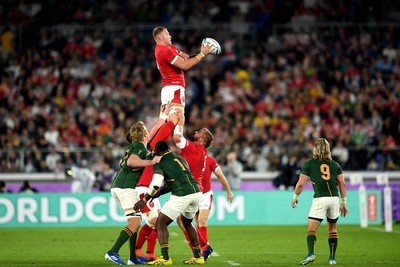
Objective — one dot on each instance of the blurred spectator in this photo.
(105, 177)
(233, 171)
(373, 165)
(376, 121)
(52, 134)
(82, 179)
(289, 174)
(390, 153)
(7, 43)
(3, 188)
(340, 153)
(268, 95)
(390, 52)
(10, 162)
(29, 166)
(52, 159)
(359, 139)
(27, 188)
(261, 163)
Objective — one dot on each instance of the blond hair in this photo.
(322, 150)
(157, 31)
(208, 137)
(137, 132)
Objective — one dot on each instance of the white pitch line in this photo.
(233, 263)
(173, 233)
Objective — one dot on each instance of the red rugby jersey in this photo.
(211, 166)
(165, 57)
(146, 177)
(195, 155)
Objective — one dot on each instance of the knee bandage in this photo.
(152, 214)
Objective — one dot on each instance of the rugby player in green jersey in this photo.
(124, 183)
(173, 171)
(328, 181)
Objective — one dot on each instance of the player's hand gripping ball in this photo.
(215, 46)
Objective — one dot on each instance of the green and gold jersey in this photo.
(177, 175)
(323, 176)
(128, 177)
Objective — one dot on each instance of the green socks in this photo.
(311, 240)
(333, 242)
(124, 235)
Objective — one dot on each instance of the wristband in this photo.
(151, 192)
(163, 116)
(343, 200)
(178, 130)
(201, 53)
(295, 196)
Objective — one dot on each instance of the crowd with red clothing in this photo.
(266, 102)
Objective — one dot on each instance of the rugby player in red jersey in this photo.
(206, 202)
(194, 151)
(171, 63)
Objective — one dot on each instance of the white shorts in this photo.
(206, 201)
(126, 199)
(154, 204)
(186, 205)
(322, 207)
(174, 94)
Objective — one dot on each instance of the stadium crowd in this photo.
(72, 97)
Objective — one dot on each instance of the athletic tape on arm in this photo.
(155, 183)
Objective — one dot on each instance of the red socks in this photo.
(202, 232)
(164, 133)
(188, 240)
(151, 242)
(144, 234)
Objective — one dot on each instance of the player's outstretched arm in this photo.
(224, 182)
(178, 138)
(189, 62)
(298, 189)
(343, 193)
(184, 55)
(135, 161)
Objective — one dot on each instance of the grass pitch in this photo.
(233, 246)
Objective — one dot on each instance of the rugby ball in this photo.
(214, 44)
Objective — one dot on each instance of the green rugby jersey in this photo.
(177, 175)
(128, 177)
(323, 176)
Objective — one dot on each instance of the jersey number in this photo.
(180, 164)
(326, 172)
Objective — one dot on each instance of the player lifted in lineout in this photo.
(171, 63)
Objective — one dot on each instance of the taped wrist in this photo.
(178, 130)
(182, 141)
(172, 111)
(163, 116)
(155, 184)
